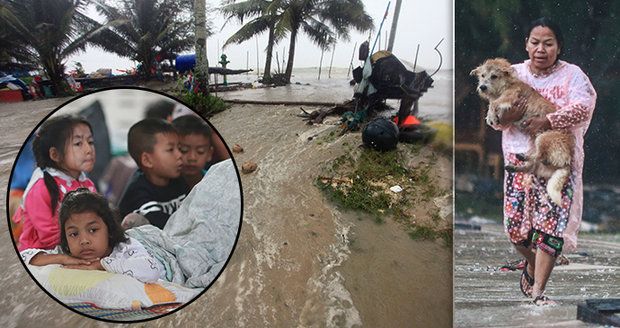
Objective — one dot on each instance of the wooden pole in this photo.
(278, 61)
(321, 62)
(257, 62)
(329, 73)
(415, 61)
(394, 25)
(351, 63)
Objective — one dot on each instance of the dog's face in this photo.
(494, 76)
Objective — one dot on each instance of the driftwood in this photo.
(280, 102)
(318, 116)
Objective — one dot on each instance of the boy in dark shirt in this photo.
(156, 190)
(196, 146)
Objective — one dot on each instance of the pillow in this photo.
(108, 290)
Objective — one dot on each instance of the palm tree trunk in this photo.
(202, 64)
(291, 55)
(54, 71)
(270, 42)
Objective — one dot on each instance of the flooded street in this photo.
(299, 261)
(486, 297)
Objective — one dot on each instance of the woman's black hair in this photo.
(55, 132)
(555, 28)
(83, 200)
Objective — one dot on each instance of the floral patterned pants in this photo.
(529, 214)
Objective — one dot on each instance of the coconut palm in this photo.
(145, 28)
(264, 16)
(323, 21)
(44, 33)
(202, 64)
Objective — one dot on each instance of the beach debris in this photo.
(237, 149)
(396, 189)
(317, 116)
(249, 167)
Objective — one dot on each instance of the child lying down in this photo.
(91, 239)
(190, 251)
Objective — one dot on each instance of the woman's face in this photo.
(542, 48)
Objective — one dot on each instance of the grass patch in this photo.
(360, 180)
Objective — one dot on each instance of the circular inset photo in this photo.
(124, 205)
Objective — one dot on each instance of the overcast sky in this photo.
(420, 22)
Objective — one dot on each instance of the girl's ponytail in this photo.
(52, 188)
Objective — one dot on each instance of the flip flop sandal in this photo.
(542, 300)
(512, 266)
(526, 283)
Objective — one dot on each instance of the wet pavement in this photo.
(486, 297)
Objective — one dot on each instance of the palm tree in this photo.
(202, 64)
(43, 33)
(265, 16)
(322, 20)
(144, 28)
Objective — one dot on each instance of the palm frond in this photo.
(248, 31)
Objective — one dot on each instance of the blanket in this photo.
(199, 237)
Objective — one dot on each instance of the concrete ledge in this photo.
(600, 311)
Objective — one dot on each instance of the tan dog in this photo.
(552, 154)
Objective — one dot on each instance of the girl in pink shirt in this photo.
(64, 151)
(540, 229)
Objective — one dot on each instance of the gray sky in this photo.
(420, 22)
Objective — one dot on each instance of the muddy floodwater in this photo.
(300, 260)
(487, 297)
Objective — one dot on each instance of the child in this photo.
(92, 239)
(156, 190)
(196, 147)
(63, 150)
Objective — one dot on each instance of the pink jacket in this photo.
(567, 87)
(41, 228)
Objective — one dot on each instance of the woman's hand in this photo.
(536, 124)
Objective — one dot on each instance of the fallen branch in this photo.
(280, 102)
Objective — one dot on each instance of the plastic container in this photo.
(185, 63)
(47, 91)
(11, 96)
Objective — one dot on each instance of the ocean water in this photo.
(124, 107)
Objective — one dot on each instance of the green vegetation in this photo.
(206, 105)
(43, 34)
(361, 179)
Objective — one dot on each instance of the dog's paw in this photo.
(521, 157)
(510, 168)
(555, 195)
(492, 119)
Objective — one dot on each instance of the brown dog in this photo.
(552, 154)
